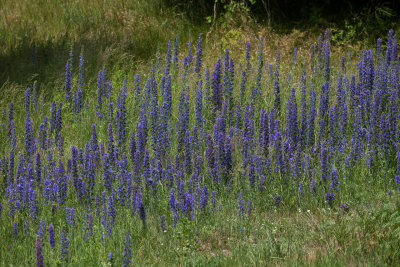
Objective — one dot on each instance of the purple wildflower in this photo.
(330, 197)
(345, 207)
(217, 86)
(163, 225)
(70, 214)
(249, 207)
(68, 78)
(334, 180)
(277, 200)
(39, 252)
(52, 239)
(140, 208)
(81, 83)
(15, 230)
(64, 246)
(199, 54)
(127, 251)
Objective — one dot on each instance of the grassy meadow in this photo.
(131, 135)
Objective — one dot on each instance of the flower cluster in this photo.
(197, 137)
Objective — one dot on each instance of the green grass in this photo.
(367, 235)
(124, 36)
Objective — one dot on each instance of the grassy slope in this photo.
(37, 36)
(124, 37)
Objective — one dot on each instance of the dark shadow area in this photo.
(357, 19)
(46, 63)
